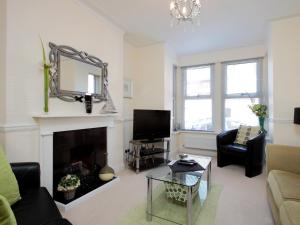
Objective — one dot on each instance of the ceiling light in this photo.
(185, 10)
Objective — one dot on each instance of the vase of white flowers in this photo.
(260, 110)
(68, 185)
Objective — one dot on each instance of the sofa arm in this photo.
(283, 157)
(27, 174)
(226, 137)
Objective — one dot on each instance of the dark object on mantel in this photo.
(88, 103)
(36, 206)
(178, 167)
(251, 155)
(78, 98)
(297, 115)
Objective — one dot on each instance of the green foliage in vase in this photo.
(46, 67)
(68, 183)
(260, 110)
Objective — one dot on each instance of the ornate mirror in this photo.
(74, 74)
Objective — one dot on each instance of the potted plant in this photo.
(68, 185)
(260, 110)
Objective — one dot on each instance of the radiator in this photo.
(207, 143)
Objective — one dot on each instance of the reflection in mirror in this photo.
(79, 76)
(94, 83)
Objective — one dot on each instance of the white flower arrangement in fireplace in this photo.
(68, 183)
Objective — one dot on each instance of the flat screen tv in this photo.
(151, 124)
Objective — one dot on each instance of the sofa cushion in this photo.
(7, 216)
(9, 187)
(245, 133)
(36, 207)
(284, 186)
(290, 213)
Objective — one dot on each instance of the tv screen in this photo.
(151, 124)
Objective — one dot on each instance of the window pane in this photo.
(242, 78)
(198, 81)
(237, 112)
(198, 114)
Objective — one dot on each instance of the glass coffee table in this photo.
(187, 183)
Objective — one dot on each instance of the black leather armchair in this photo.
(36, 206)
(251, 155)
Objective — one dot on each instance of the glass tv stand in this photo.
(145, 154)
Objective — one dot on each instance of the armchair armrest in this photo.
(256, 148)
(257, 142)
(283, 157)
(226, 137)
(27, 174)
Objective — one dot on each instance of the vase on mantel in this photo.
(46, 88)
(46, 70)
(261, 121)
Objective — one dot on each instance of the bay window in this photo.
(217, 96)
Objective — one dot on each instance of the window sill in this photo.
(194, 132)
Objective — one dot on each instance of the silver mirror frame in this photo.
(54, 83)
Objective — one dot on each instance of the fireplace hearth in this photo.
(80, 152)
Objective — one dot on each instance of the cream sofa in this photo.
(283, 183)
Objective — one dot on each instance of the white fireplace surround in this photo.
(48, 124)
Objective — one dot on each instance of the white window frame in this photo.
(185, 97)
(259, 80)
(174, 98)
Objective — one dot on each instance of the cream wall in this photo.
(170, 62)
(130, 70)
(2, 59)
(284, 76)
(130, 60)
(149, 77)
(215, 58)
(151, 70)
(91, 33)
(2, 68)
(224, 55)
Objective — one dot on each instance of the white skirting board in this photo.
(63, 208)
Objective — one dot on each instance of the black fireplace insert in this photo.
(82, 153)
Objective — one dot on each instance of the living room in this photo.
(149, 54)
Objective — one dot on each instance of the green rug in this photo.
(204, 212)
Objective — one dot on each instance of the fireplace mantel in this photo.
(49, 123)
(78, 115)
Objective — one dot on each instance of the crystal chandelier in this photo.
(185, 10)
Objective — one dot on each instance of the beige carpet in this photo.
(204, 212)
(242, 200)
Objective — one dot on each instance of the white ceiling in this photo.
(223, 23)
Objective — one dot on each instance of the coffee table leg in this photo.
(209, 177)
(149, 199)
(189, 206)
